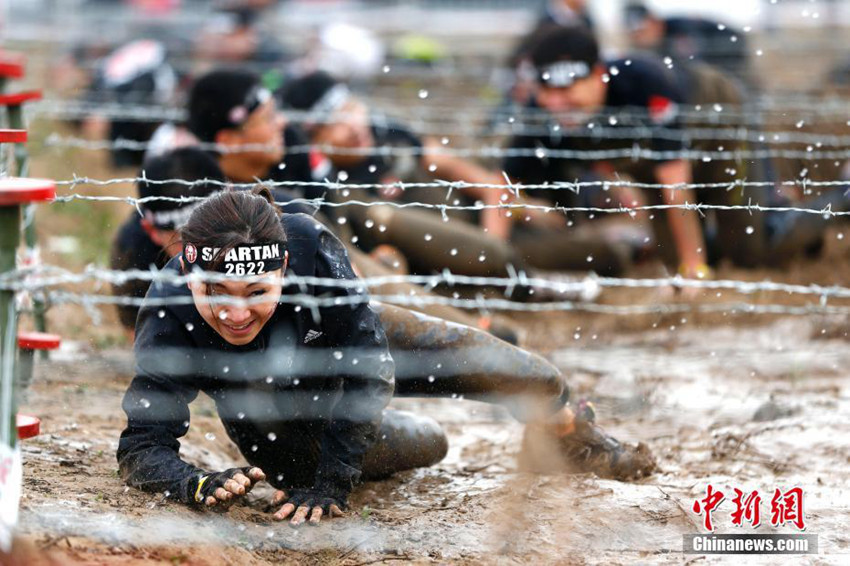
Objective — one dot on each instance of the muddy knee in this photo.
(405, 441)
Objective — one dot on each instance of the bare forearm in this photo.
(684, 225)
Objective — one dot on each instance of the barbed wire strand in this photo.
(340, 185)
(52, 275)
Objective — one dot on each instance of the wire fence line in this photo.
(50, 276)
(686, 135)
(443, 209)
(752, 112)
(340, 185)
(634, 152)
(479, 303)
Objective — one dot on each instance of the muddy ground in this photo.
(689, 389)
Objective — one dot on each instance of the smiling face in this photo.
(238, 324)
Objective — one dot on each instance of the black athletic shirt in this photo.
(642, 93)
(132, 248)
(335, 371)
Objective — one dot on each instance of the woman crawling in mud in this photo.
(301, 373)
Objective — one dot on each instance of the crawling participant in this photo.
(302, 391)
(370, 148)
(592, 103)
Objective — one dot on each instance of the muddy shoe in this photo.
(591, 449)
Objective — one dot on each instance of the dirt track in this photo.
(690, 392)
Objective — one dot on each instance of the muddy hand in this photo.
(224, 487)
(307, 505)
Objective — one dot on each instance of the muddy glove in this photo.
(313, 503)
(226, 485)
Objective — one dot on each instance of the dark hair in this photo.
(574, 43)
(304, 92)
(212, 98)
(232, 218)
(188, 164)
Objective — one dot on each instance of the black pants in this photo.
(434, 358)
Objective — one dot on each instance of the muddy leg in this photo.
(438, 358)
(441, 359)
(433, 245)
(406, 441)
(369, 267)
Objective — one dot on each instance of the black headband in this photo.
(245, 259)
(255, 98)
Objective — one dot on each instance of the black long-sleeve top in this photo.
(336, 370)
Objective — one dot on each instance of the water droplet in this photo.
(315, 397)
(540, 153)
(190, 327)
(382, 228)
(576, 336)
(144, 403)
(840, 236)
(482, 258)
(271, 436)
(718, 108)
(338, 355)
(589, 258)
(613, 70)
(185, 424)
(209, 436)
(342, 175)
(423, 94)
(254, 448)
(269, 379)
(369, 223)
(240, 415)
(445, 141)
(226, 369)
(606, 78)
(281, 166)
(759, 52)
(428, 237)
(801, 123)
(612, 120)
(431, 379)
(453, 251)
(750, 230)
(161, 313)
(341, 220)
(386, 69)
(372, 169)
(432, 168)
